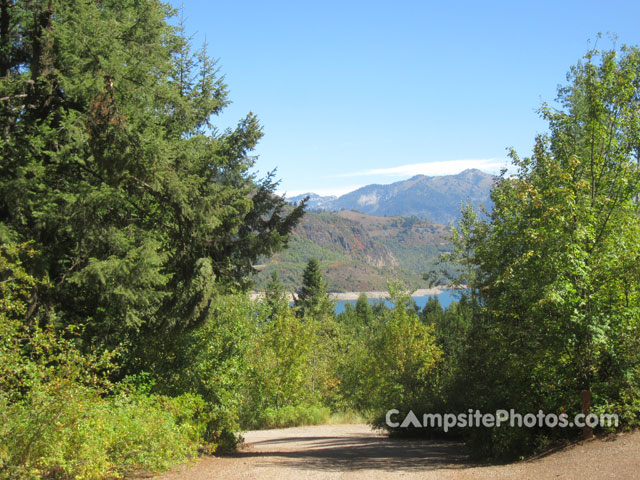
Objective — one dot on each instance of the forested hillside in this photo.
(359, 252)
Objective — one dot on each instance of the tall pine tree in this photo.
(312, 299)
(111, 164)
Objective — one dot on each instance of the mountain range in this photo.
(378, 232)
(436, 198)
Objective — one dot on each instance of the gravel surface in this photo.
(356, 452)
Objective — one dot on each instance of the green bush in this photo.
(294, 415)
(403, 360)
(68, 431)
(60, 418)
(209, 362)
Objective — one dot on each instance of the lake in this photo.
(445, 298)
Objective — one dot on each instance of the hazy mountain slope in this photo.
(343, 234)
(435, 198)
(316, 202)
(415, 242)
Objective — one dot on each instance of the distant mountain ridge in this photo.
(316, 202)
(436, 198)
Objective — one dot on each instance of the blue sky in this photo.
(351, 93)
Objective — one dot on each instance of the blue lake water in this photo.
(445, 298)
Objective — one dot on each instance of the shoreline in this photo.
(421, 292)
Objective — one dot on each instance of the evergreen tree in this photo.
(312, 298)
(275, 295)
(364, 312)
(110, 163)
(432, 312)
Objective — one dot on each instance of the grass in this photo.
(301, 415)
(348, 417)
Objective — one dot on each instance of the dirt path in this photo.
(349, 452)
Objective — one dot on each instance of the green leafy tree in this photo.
(354, 327)
(278, 373)
(110, 163)
(403, 356)
(558, 268)
(458, 266)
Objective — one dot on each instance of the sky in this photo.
(351, 93)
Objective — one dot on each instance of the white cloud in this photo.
(449, 167)
(393, 174)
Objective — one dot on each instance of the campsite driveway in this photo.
(349, 452)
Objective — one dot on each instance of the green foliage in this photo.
(145, 217)
(388, 357)
(404, 357)
(557, 264)
(32, 356)
(210, 362)
(68, 431)
(275, 295)
(356, 328)
(293, 416)
(451, 330)
(111, 165)
(59, 418)
(290, 365)
(129, 226)
(312, 299)
(277, 362)
(363, 310)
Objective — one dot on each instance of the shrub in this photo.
(294, 415)
(59, 417)
(67, 431)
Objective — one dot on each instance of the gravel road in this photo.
(349, 452)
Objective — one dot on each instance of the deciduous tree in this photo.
(558, 269)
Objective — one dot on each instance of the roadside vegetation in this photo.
(129, 229)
